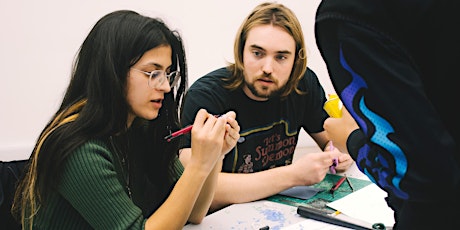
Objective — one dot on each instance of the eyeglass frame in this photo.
(161, 77)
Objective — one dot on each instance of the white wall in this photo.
(39, 40)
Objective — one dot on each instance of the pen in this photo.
(335, 161)
(349, 183)
(337, 185)
(179, 133)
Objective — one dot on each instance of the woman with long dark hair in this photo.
(102, 161)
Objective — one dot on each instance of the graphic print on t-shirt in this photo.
(247, 166)
(263, 148)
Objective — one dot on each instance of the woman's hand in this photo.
(232, 133)
(208, 135)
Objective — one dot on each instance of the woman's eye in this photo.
(155, 73)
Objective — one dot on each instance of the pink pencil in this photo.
(179, 133)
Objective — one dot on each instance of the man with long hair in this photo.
(275, 96)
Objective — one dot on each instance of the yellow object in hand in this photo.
(333, 106)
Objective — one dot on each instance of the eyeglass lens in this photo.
(157, 78)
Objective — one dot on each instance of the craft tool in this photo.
(179, 133)
(337, 185)
(333, 106)
(331, 146)
(378, 226)
(335, 161)
(349, 184)
(335, 213)
(320, 216)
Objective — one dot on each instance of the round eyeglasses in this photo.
(158, 77)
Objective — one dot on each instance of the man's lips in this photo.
(265, 80)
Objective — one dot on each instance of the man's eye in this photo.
(281, 57)
(257, 53)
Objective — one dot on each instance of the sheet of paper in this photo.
(255, 215)
(251, 215)
(367, 204)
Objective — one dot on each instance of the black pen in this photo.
(264, 228)
(349, 183)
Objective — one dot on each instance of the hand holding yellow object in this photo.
(333, 106)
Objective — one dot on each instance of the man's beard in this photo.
(265, 95)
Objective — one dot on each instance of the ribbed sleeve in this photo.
(178, 168)
(91, 194)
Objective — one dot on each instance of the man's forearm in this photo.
(246, 187)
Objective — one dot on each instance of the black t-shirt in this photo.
(269, 129)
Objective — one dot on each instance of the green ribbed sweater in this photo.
(91, 194)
